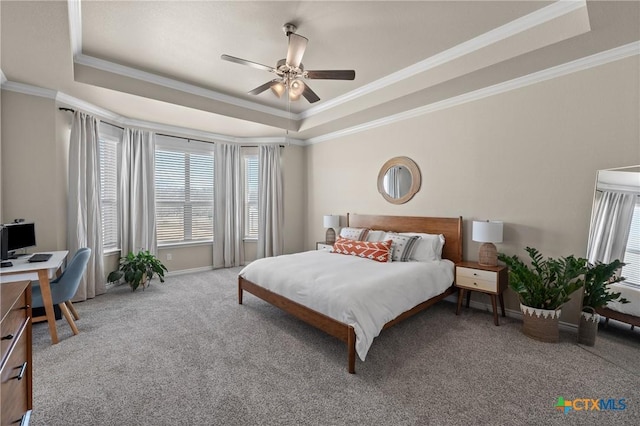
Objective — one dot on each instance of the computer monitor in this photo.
(20, 235)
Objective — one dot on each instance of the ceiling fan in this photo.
(290, 72)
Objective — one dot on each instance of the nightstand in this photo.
(321, 245)
(492, 280)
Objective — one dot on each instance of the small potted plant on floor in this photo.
(597, 279)
(543, 287)
(138, 269)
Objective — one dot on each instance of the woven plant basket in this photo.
(540, 324)
(588, 327)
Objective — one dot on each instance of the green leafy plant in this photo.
(547, 283)
(597, 279)
(138, 269)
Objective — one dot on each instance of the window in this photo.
(184, 191)
(250, 158)
(631, 270)
(109, 152)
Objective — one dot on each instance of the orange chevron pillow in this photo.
(380, 251)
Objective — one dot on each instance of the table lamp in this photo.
(487, 232)
(330, 222)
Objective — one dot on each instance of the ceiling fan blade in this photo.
(331, 74)
(247, 63)
(297, 46)
(264, 87)
(310, 95)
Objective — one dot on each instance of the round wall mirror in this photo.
(399, 180)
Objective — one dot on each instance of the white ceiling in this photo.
(160, 60)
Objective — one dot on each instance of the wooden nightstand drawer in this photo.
(477, 284)
(324, 246)
(476, 274)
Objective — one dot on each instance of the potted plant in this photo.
(138, 269)
(597, 279)
(543, 287)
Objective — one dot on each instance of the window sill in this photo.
(185, 244)
(111, 252)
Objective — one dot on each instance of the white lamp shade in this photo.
(331, 221)
(487, 231)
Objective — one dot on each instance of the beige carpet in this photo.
(185, 353)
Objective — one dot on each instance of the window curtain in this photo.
(610, 226)
(228, 230)
(137, 189)
(270, 203)
(84, 220)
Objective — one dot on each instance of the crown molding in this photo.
(171, 83)
(75, 26)
(62, 99)
(517, 26)
(27, 89)
(601, 58)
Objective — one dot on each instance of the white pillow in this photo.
(428, 248)
(375, 236)
(358, 234)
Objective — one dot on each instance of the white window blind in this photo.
(631, 270)
(251, 195)
(109, 154)
(184, 194)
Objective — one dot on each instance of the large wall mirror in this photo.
(399, 180)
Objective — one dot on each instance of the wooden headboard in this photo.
(450, 227)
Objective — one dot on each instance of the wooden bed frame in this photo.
(451, 228)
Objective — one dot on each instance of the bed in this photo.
(257, 279)
(627, 312)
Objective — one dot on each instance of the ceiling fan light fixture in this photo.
(290, 72)
(296, 88)
(278, 89)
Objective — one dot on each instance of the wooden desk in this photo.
(43, 272)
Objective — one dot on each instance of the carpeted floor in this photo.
(185, 353)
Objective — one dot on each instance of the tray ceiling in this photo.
(160, 60)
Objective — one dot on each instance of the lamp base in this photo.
(488, 255)
(330, 238)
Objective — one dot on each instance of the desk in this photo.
(43, 272)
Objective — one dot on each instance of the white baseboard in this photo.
(567, 326)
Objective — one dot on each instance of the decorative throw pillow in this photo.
(428, 247)
(358, 234)
(402, 247)
(379, 251)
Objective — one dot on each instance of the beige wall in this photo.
(527, 157)
(34, 167)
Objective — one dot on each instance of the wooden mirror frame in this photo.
(416, 179)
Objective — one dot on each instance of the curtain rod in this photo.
(162, 134)
(200, 140)
(101, 121)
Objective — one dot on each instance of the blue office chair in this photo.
(64, 287)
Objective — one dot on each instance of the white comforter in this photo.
(359, 292)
